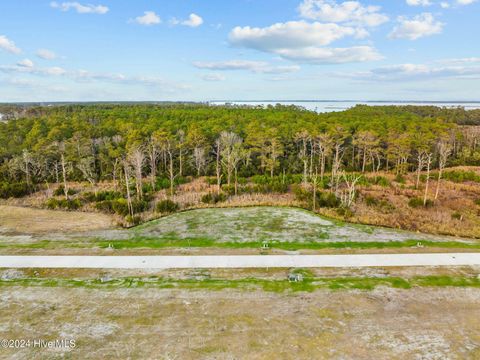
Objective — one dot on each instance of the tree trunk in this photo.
(127, 185)
(427, 181)
(64, 173)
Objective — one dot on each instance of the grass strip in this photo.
(308, 284)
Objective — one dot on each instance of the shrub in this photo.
(101, 196)
(16, 190)
(459, 176)
(60, 191)
(371, 201)
(133, 220)
(457, 216)
(323, 198)
(400, 179)
(167, 206)
(382, 181)
(418, 202)
(70, 204)
(345, 212)
(213, 198)
(328, 200)
(120, 206)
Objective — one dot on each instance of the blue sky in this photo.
(239, 49)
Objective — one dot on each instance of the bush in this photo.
(70, 204)
(213, 198)
(133, 220)
(371, 201)
(60, 191)
(167, 206)
(457, 216)
(16, 190)
(101, 196)
(120, 206)
(418, 202)
(345, 212)
(400, 179)
(459, 176)
(328, 200)
(323, 198)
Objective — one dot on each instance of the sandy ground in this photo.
(240, 261)
(19, 220)
(419, 323)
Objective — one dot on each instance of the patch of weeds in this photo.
(308, 284)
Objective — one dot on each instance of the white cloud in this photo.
(193, 21)
(416, 72)
(213, 77)
(148, 18)
(80, 8)
(26, 63)
(46, 54)
(350, 12)
(292, 34)
(27, 67)
(303, 42)
(319, 55)
(414, 28)
(84, 76)
(419, 2)
(8, 45)
(253, 66)
(465, 2)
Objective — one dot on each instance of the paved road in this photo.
(239, 261)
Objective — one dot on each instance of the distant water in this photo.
(322, 106)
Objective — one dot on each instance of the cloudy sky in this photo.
(239, 49)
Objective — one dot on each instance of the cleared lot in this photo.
(20, 220)
(385, 323)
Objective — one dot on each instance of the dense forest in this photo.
(156, 146)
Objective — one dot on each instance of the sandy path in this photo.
(240, 261)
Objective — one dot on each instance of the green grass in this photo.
(139, 242)
(309, 283)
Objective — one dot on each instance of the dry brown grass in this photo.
(455, 198)
(228, 324)
(14, 219)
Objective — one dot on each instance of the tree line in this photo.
(138, 144)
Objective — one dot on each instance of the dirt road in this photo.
(240, 261)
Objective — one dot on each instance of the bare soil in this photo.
(419, 323)
(22, 220)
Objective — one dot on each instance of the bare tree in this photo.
(302, 138)
(86, 165)
(136, 157)
(324, 148)
(366, 141)
(428, 163)
(153, 154)
(444, 150)
(218, 168)
(422, 157)
(200, 158)
(126, 172)
(347, 196)
(28, 161)
(180, 145)
(231, 144)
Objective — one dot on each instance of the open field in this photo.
(418, 323)
(21, 220)
(274, 230)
